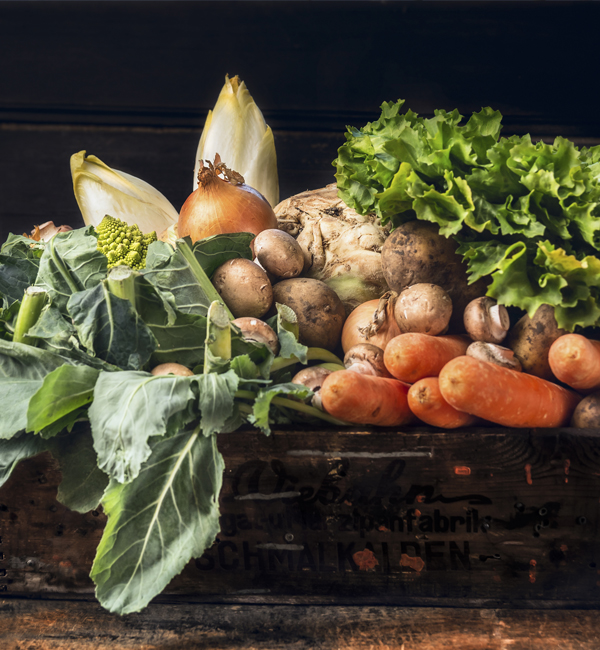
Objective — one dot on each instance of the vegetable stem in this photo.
(31, 307)
(121, 283)
(62, 269)
(203, 280)
(312, 355)
(217, 347)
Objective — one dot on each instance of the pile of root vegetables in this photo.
(420, 345)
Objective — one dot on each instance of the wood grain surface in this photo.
(408, 517)
(64, 625)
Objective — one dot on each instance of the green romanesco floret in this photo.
(122, 243)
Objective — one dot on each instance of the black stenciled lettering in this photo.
(250, 471)
(441, 524)
(278, 556)
(425, 524)
(282, 475)
(367, 523)
(206, 562)
(426, 494)
(415, 546)
(456, 520)
(462, 556)
(395, 521)
(224, 563)
(323, 565)
(345, 523)
(345, 555)
(306, 560)
(227, 523)
(434, 560)
(242, 522)
(387, 487)
(249, 555)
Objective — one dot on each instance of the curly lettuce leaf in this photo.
(519, 208)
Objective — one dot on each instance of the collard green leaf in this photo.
(179, 273)
(158, 522)
(18, 448)
(110, 328)
(55, 333)
(216, 393)
(128, 409)
(213, 251)
(179, 337)
(23, 369)
(70, 263)
(262, 405)
(63, 391)
(19, 265)
(83, 482)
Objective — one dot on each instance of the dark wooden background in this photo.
(131, 82)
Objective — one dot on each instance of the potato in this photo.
(318, 308)
(587, 412)
(279, 253)
(416, 253)
(244, 287)
(530, 339)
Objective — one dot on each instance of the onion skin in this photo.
(223, 205)
(359, 318)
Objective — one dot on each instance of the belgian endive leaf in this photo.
(158, 522)
(128, 409)
(236, 130)
(100, 190)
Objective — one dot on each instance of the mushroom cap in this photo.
(254, 329)
(486, 320)
(494, 353)
(171, 369)
(366, 359)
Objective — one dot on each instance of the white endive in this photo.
(100, 190)
(236, 130)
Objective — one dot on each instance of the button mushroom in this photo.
(312, 377)
(424, 308)
(254, 329)
(494, 353)
(367, 359)
(486, 320)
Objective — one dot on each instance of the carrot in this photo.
(575, 360)
(505, 396)
(365, 399)
(426, 401)
(413, 356)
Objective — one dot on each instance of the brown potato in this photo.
(318, 308)
(244, 287)
(279, 253)
(530, 339)
(587, 412)
(415, 253)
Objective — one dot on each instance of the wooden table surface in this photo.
(68, 625)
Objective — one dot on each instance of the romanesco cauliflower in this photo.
(122, 243)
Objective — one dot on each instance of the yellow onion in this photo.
(371, 322)
(223, 203)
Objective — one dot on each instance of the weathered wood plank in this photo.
(388, 517)
(63, 625)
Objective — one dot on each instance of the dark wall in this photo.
(131, 82)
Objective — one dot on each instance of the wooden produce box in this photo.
(479, 517)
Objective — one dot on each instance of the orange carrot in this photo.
(413, 356)
(427, 402)
(575, 360)
(505, 396)
(365, 399)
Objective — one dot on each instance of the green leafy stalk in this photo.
(186, 251)
(313, 354)
(217, 347)
(33, 302)
(121, 283)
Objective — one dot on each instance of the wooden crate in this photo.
(413, 517)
